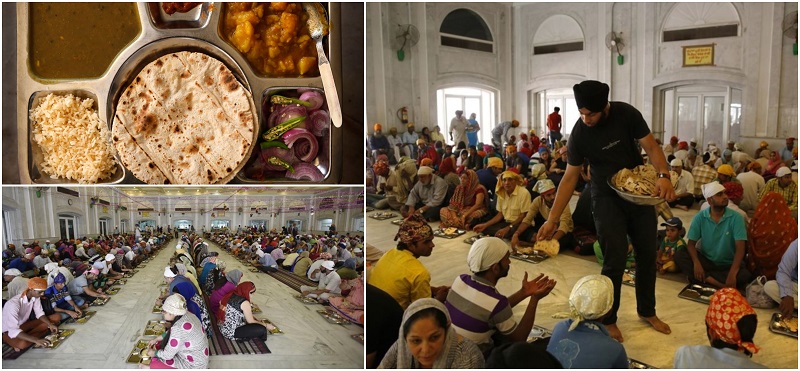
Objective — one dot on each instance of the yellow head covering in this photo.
(511, 148)
(494, 162)
(507, 174)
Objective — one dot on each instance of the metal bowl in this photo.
(636, 199)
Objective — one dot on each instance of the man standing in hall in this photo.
(554, 125)
(606, 135)
(458, 125)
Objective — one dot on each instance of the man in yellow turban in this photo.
(513, 202)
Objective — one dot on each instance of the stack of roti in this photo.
(184, 119)
(549, 247)
(639, 181)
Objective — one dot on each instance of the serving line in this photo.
(155, 41)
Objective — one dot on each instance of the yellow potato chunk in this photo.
(306, 64)
(242, 37)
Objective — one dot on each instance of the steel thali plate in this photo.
(198, 30)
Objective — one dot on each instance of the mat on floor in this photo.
(219, 345)
(291, 280)
(9, 353)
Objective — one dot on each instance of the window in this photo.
(68, 226)
(296, 223)
(558, 34)
(183, 225)
(219, 224)
(358, 224)
(103, 227)
(8, 227)
(324, 224)
(693, 21)
(465, 29)
(470, 100)
(258, 224)
(123, 226)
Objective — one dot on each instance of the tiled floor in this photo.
(105, 341)
(686, 318)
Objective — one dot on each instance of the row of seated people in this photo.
(37, 305)
(518, 209)
(471, 318)
(335, 267)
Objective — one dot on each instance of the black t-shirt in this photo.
(383, 324)
(608, 146)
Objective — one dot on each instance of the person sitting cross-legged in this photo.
(536, 217)
(722, 234)
(19, 331)
(513, 203)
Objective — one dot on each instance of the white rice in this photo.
(75, 144)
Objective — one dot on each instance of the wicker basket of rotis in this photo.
(637, 185)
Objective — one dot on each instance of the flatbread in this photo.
(184, 119)
(549, 247)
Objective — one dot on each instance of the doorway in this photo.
(470, 100)
(706, 113)
(103, 227)
(67, 226)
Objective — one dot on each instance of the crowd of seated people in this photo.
(743, 223)
(53, 283)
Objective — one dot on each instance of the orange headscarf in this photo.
(36, 283)
(726, 308)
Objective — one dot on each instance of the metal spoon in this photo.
(318, 27)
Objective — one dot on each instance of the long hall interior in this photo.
(224, 219)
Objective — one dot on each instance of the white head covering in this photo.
(710, 189)
(591, 298)
(49, 267)
(175, 304)
(12, 272)
(328, 264)
(405, 360)
(109, 257)
(783, 171)
(485, 252)
(676, 162)
(425, 170)
(168, 273)
(545, 185)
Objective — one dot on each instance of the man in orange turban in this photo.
(379, 143)
(18, 331)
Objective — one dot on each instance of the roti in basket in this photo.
(549, 247)
(184, 119)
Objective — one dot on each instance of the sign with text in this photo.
(145, 214)
(698, 55)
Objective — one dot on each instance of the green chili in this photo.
(277, 131)
(278, 162)
(280, 99)
(273, 143)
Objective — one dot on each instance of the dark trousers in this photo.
(87, 298)
(251, 331)
(615, 220)
(492, 229)
(719, 272)
(432, 214)
(687, 201)
(266, 269)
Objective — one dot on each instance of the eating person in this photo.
(184, 345)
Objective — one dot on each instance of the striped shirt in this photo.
(477, 310)
(789, 193)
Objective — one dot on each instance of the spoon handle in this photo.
(331, 95)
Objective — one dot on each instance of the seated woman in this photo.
(184, 345)
(302, 264)
(352, 305)
(232, 279)
(236, 313)
(182, 271)
(195, 304)
(216, 274)
(730, 326)
(21, 332)
(467, 204)
(582, 341)
(427, 340)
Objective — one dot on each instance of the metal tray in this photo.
(397, 221)
(135, 355)
(120, 282)
(471, 240)
(538, 333)
(58, 338)
(254, 270)
(636, 199)
(536, 257)
(442, 234)
(112, 291)
(381, 215)
(156, 308)
(698, 293)
(87, 315)
(274, 331)
(333, 317)
(198, 30)
(776, 325)
(255, 308)
(306, 299)
(155, 328)
(629, 277)
(632, 363)
(358, 337)
(99, 301)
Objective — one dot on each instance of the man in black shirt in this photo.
(606, 136)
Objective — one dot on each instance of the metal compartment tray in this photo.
(197, 30)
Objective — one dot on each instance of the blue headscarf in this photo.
(186, 289)
(59, 278)
(350, 263)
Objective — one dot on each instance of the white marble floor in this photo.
(105, 341)
(686, 318)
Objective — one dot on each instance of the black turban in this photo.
(592, 95)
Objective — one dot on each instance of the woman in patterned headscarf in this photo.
(730, 326)
(467, 204)
(447, 171)
(769, 234)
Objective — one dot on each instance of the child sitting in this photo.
(630, 260)
(671, 243)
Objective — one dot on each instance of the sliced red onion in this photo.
(304, 170)
(283, 154)
(318, 122)
(313, 97)
(303, 142)
(286, 113)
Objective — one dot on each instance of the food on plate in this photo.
(450, 230)
(79, 40)
(549, 247)
(184, 119)
(641, 180)
(790, 324)
(74, 142)
(172, 8)
(525, 250)
(296, 133)
(273, 37)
